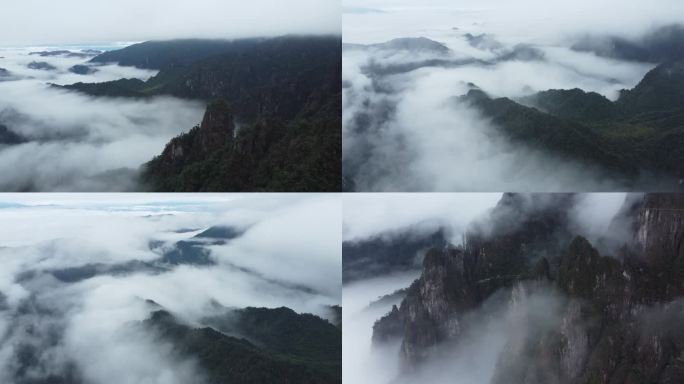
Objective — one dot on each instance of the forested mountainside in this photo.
(257, 345)
(641, 131)
(614, 316)
(273, 115)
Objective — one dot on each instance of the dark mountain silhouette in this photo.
(661, 44)
(387, 253)
(164, 54)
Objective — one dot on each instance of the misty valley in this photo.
(170, 289)
(532, 288)
(464, 99)
(248, 114)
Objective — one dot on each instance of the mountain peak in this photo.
(414, 44)
(661, 89)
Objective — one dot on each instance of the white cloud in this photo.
(74, 137)
(291, 242)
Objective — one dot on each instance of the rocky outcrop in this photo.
(216, 130)
(611, 320)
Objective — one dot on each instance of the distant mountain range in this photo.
(274, 117)
(388, 253)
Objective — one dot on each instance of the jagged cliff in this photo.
(618, 319)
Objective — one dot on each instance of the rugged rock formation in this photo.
(65, 53)
(662, 44)
(615, 319)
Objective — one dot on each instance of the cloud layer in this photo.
(70, 139)
(288, 256)
(404, 128)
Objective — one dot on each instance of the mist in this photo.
(73, 142)
(81, 22)
(406, 126)
(90, 327)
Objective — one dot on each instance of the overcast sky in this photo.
(368, 21)
(46, 22)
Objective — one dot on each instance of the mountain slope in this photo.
(388, 253)
(164, 54)
(227, 359)
(641, 132)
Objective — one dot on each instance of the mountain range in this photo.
(642, 131)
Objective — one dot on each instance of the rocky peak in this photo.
(217, 128)
(661, 89)
(600, 330)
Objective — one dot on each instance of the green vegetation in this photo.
(269, 346)
(642, 131)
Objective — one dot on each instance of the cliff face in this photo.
(216, 131)
(613, 319)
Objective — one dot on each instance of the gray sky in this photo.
(42, 22)
(533, 20)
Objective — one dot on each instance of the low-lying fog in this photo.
(402, 128)
(288, 255)
(74, 142)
